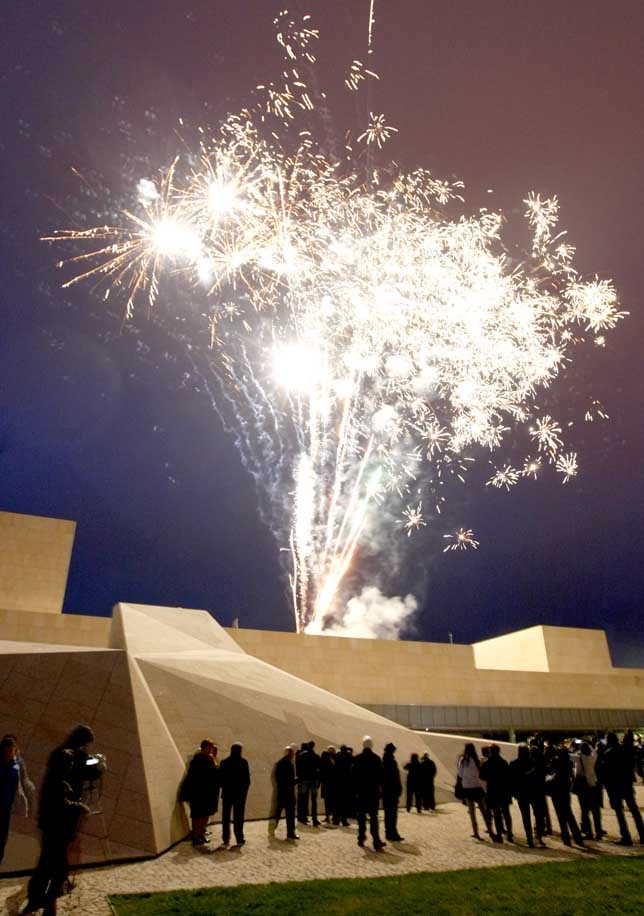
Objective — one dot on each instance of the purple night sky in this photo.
(115, 431)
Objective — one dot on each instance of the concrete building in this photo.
(540, 679)
(153, 681)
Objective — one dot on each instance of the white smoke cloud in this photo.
(372, 615)
(147, 191)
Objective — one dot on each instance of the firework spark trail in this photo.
(387, 341)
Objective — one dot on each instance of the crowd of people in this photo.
(545, 772)
(338, 786)
(349, 786)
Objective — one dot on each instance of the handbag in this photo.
(458, 789)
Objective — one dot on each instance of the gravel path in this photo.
(433, 842)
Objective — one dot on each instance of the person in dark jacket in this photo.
(284, 781)
(328, 785)
(614, 769)
(525, 784)
(540, 755)
(559, 781)
(234, 778)
(495, 774)
(343, 767)
(59, 816)
(307, 770)
(391, 792)
(200, 788)
(427, 777)
(413, 784)
(366, 775)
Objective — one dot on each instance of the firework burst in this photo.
(367, 339)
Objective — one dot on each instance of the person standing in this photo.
(307, 770)
(343, 766)
(469, 768)
(59, 816)
(14, 783)
(302, 800)
(427, 777)
(525, 785)
(616, 774)
(560, 770)
(494, 773)
(540, 754)
(366, 775)
(328, 785)
(413, 784)
(285, 780)
(200, 788)
(234, 778)
(391, 792)
(586, 785)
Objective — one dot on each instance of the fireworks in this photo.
(413, 518)
(365, 339)
(463, 539)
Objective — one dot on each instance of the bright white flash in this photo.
(174, 239)
(223, 198)
(297, 368)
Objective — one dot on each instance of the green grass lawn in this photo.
(611, 885)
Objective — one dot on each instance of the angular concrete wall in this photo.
(34, 562)
(55, 629)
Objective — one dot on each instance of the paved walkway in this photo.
(433, 842)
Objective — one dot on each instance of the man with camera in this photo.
(59, 815)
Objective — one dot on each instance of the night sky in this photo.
(110, 425)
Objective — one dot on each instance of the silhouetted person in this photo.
(540, 756)
(525, 784)
(413, 784)
(366, 775)
(495, 775)
(234, 776)
(427, 777)
(328, 785)
(307, 770)
(285, 779)
(616, 774)
(391, 792)
(343, 765)
(59, 814)
(200, 788)
(560, 771)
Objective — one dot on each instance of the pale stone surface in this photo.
(524, 650)
(55, 629)
(433, 843)
(540, 667)
(34, 561)
(567, 650)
